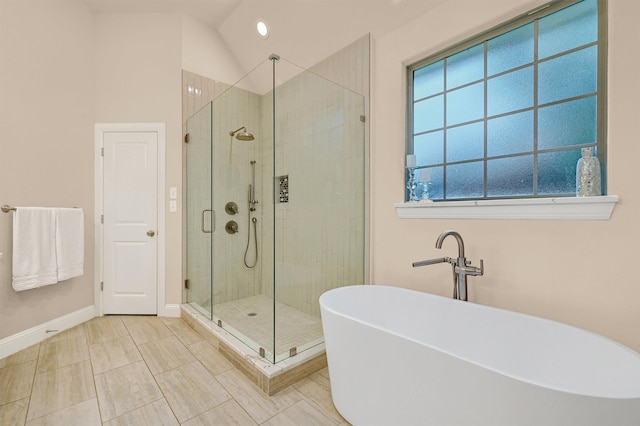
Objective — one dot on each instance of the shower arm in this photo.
(233, 133)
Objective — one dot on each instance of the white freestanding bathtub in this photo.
(403, 357)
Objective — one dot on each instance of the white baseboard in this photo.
(170, 310)
(24, 339)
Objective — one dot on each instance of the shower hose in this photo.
(255, 242)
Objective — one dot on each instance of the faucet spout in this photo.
(458, 238)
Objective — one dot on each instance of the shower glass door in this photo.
(199, 220)
(238, 258)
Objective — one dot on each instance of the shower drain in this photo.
(251, 314)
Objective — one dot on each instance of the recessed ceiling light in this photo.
(262, 29)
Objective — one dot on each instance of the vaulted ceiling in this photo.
(302, 31)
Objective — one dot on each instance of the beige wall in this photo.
(65, 68)
(578, 272)
(138, 79)
(205, 53)
(46, 141)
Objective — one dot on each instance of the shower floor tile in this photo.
(253, 317)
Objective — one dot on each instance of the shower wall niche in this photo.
(308, 225)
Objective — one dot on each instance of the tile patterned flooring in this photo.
(253, 318)
(130, 370)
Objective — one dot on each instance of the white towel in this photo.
(69, 243)
(34, 248)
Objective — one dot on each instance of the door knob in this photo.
(151, 233)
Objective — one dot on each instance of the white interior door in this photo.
(130, 206)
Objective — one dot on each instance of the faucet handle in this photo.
(471, 270)
(431, 261)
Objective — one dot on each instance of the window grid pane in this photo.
(515, 129)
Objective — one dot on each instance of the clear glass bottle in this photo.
(588, 174)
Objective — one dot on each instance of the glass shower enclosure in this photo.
(274, 205)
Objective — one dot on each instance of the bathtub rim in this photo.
(627, 395)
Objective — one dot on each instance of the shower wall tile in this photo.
(197, 92)
(348, 67)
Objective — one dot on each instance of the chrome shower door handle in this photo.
(213, 221)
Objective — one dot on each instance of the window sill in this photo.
(561, 208)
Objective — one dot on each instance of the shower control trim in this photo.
(231, 208)
(231, 227)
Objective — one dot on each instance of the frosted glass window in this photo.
(510, 92)
(512, 176)
(557, 172)
(465, 67)
(428, 81)
(429, 148)
(568, 76)
(568, 28)
(429, 114)
(466, 104)
(465, 180)
(510, 134)
(566, 124)
(506, 113)
(436, 182)
(510, 50)
(465, 142)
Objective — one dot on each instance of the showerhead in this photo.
(245, 136)
(242, 135)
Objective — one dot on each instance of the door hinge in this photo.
(186, 138)
(186, 284)
(101, 218)
(101, 285)
(102, 151)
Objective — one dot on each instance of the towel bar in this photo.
(6, 208)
